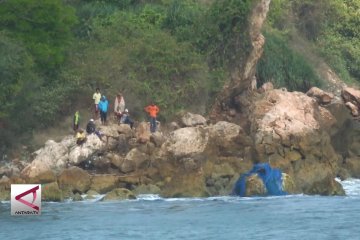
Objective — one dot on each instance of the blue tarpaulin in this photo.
(271, 177)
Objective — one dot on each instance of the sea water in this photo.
(152, 217)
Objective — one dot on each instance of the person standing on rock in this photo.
(119, 106)
(103, 107)
(76, 121)
(152, 110)
(96, 98)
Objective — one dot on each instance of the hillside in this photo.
(176, 53)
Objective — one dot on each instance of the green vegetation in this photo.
(332, 26)
(284, 67)
(54, 53)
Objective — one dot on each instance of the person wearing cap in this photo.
(152, 110)
(125, 118)
(96, 98)
(91, 128)
(103, 107)
(119, 106)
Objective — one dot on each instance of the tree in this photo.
(44, 27)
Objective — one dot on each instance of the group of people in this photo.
(122, 115)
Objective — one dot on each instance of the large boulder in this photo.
(83, 152)
(147, 189)
(43, 176)
(53, 156)
(140, 159)
(192, 120)
(225, 131)
(186, 141)
(327, 187)
(104, 183)
(143, 132)
(291, 131)
(75, 179)
(254, 186)
(351, 95)
(320, 95)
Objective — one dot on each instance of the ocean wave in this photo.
(351, 186)
(155, 197)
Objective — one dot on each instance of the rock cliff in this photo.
(311, 137)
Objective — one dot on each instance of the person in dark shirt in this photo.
(91, 128)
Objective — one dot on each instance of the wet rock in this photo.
(75, 179)
(51, 192)
(77, 197)
(254, 186)
(327, 187)
(147, 189)
(343, 174)
(91, 194)
(5, 195)
(119, 194)
(288, 184)
(353, 166)
(104, 183)
(185, 185)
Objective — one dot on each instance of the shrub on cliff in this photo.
(285, 67)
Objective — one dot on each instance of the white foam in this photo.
(351, 186)
(148, 197)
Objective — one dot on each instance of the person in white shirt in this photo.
(119, 106)
(96, 98)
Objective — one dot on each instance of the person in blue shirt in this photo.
(103, 107)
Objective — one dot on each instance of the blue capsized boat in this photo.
(271, 177)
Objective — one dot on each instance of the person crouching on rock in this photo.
(91, 128)
(80, 137)
(125, 118)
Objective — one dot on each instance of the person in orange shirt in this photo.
(152, 110)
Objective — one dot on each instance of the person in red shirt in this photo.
(152, 110)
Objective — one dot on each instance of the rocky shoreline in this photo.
(310, 140)
(311, 137)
